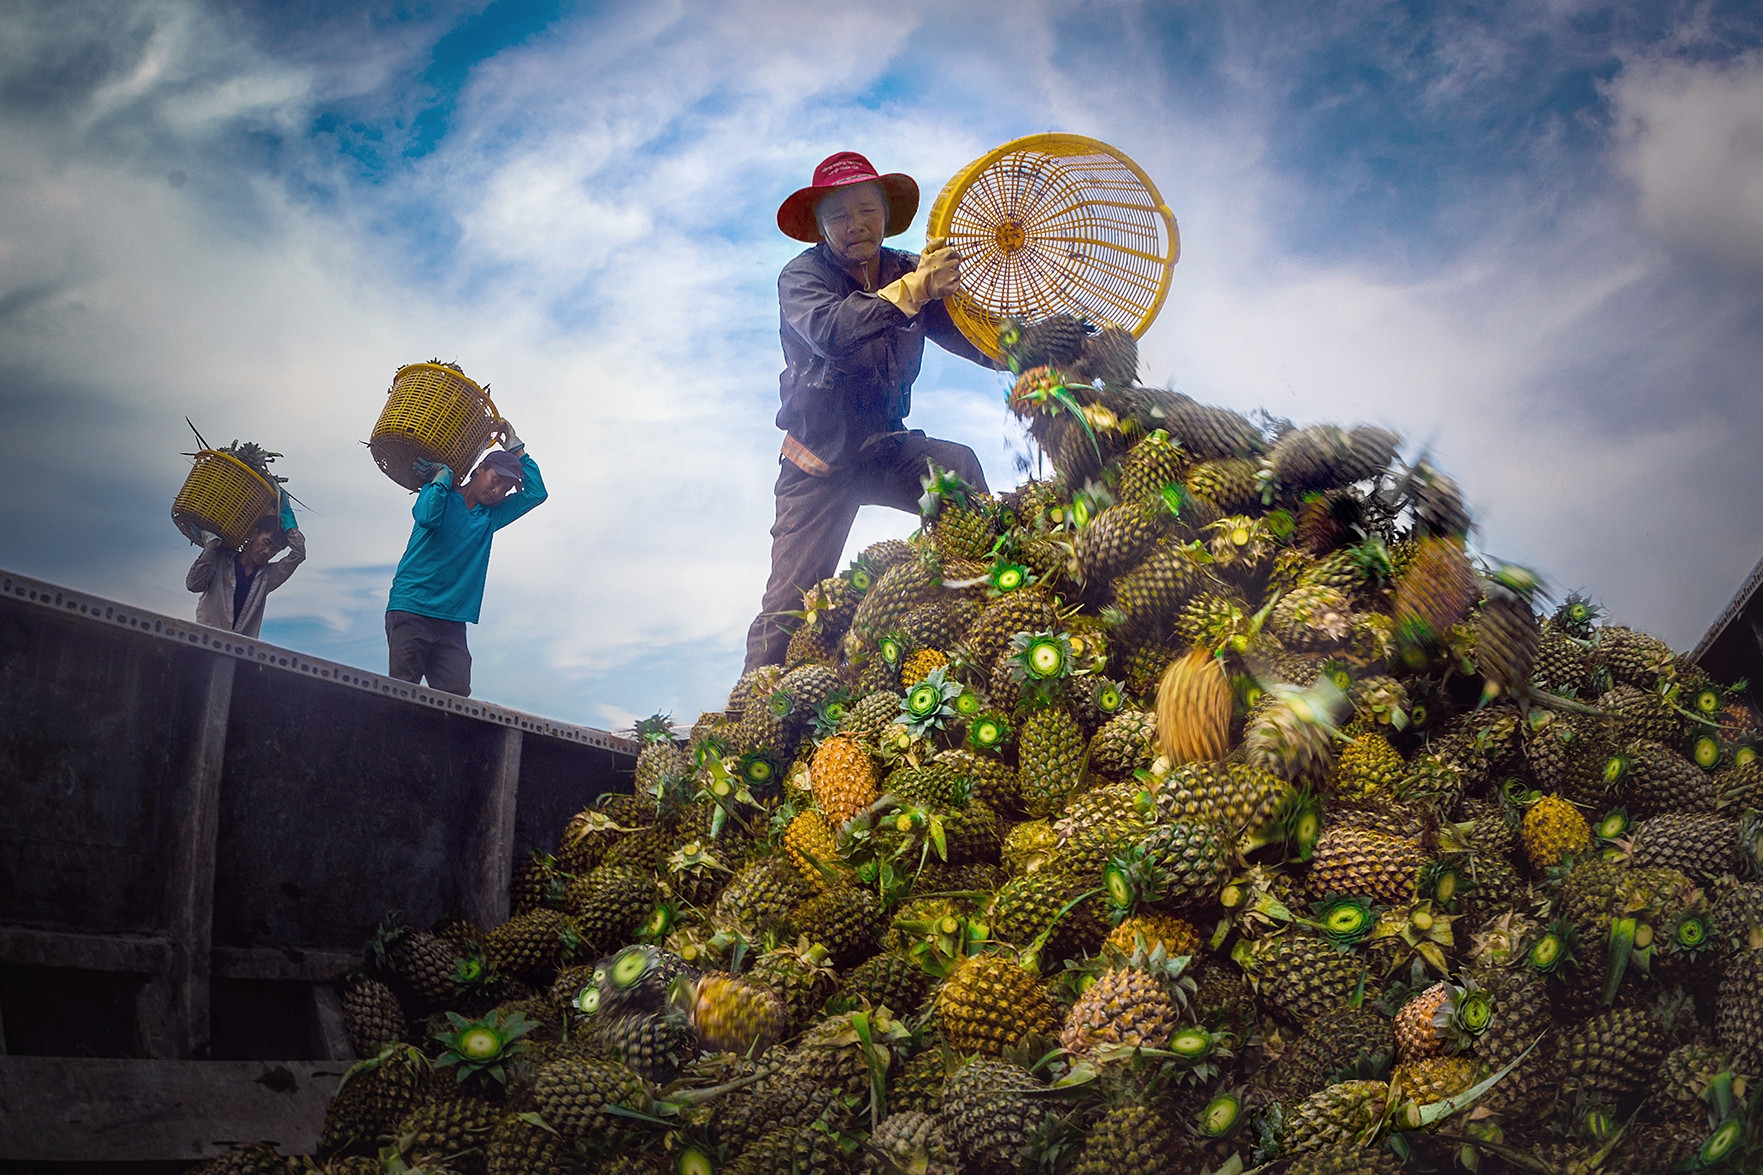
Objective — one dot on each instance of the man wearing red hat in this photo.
(855, 317)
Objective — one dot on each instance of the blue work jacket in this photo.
(444, 566)
(850, 357)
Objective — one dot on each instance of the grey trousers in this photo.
(421, 646)
(814, 516)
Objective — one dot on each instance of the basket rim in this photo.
(273, 487)
(1056, 144)
(476, 388)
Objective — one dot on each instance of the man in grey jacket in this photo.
(235, 584)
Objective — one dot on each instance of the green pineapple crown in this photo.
(943, 489)
(1343, 919)
(1468, 1011)
(988, 731)
(1040, 659)
(1005, 577)
(656, 728)
(1576, 615)
(830, 713)
(929, 706)
(1555, 950)
(486, 1046)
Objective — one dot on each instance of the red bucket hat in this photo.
(795, 216)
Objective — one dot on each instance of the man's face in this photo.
(853, 220)
(261, 547)
(490, 487)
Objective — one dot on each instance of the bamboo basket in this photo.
(224, 496)
(1052, 224)
(432, 413)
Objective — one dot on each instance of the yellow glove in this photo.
(938, 275)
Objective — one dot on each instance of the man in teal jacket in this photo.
(439, 586)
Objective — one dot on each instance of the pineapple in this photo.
(1633, 658)
(533, 945)
(889, 980)
(991, 1113)
(1659, 780)
(844, 777)
(1122, 746)
(1553, 829)
(519, 1146)
(1229, 484)
(865, 720)
(736, 1016)
(1433, 1079)
(1639, 714)
(573, 1094)
(1193, 709)
(1311, 616)
(899, 589)
(845, 919)
(1299, 976)
(1613, 1054)
(911, 1141)
(1125, 1006)
(455, 1129)
(1148, 466)
(1050, 748)
(1699, 845)
(1175, 936)
(1118, 537)
(371, 1015)
(1346, 1113)
(1738, 1022)
(991, 1004)
(1369, 765)
(1023, 610)
(1340, 1040)
(1126, 1138)
(800, 975)
(813, 849)
(1367, 864)
(1436, 591)
(609, 904)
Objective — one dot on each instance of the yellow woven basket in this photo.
(223, 496)
(1055, 223)
(432, 413)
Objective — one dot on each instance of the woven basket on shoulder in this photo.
(223, 496)
(432, 413)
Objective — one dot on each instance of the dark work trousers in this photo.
(421, 646)
(814, 516)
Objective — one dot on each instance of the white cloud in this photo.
(604, 257)
(1690, 137)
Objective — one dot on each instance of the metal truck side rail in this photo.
(202, 831)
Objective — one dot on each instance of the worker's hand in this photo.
(296, 541)
(940, 269)
(510, 441)
(427, 470)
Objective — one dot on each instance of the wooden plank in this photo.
(283, 964)
(492, 857)
(21, 946)
(173, 1010)
(69, 1109)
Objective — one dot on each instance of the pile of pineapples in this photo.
(1203, 805)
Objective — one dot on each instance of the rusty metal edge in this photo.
(67, 602)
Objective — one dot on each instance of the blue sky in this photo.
(1529, 237)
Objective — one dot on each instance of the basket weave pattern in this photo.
(224, 496)
(1055, 223)
(432, 413)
